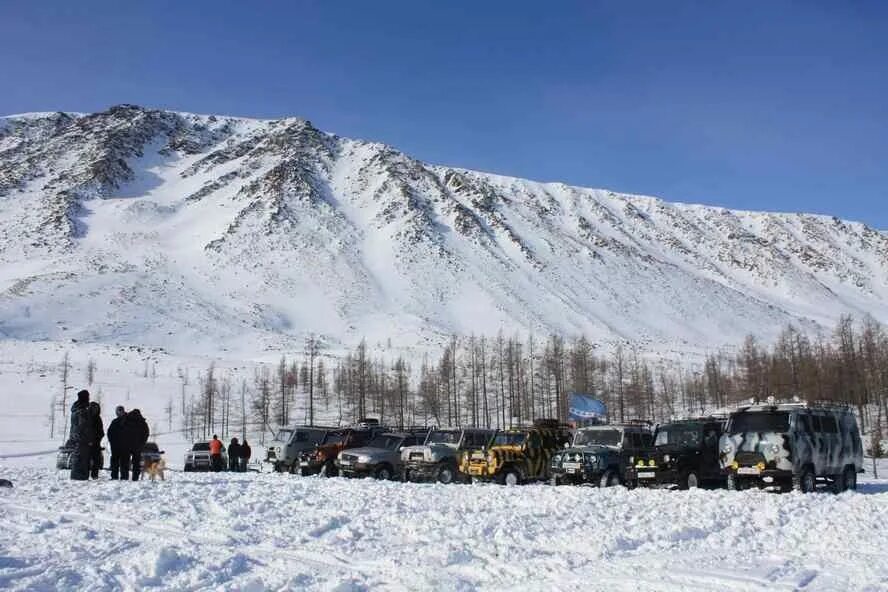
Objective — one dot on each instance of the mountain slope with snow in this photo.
(209, 233)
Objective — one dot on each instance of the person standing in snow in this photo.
(245, 453)
(82, 437)
(234, 451)
(119, 459)
(95, 456)
(135, 435)
(216, 453)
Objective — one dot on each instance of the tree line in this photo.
(503, 381)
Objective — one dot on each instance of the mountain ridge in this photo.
(297, 230)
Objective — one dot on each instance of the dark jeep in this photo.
(600, 454)
(792, 446)
(685, 454)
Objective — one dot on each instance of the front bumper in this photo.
(581, 473)
(422, 471)
(354, 469)
(647, 476)
(763, 477)
(479, 470)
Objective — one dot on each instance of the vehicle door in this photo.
(710, 467)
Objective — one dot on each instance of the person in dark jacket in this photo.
(81, 440)
(135, 435)
(95, 453)
(233, 455)
(245, 453)
(119, 458)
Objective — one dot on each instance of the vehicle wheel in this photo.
(405, 476)
(293, 469)
(850, 479)
(689, 481)
(838, 483)
(383, 473)
(446, 474)
(630, 484)
(733, 483)
(553, 481)
(805, 481)
(610, 478)
(329, 470)
(510, 477)
(188, 468)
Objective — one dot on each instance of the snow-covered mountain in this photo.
(212, 233)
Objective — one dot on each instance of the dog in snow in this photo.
(154, 469)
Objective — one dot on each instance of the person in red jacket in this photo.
(216, 453)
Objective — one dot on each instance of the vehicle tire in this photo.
(850, 479)
(805, 482)
(510, 477)
(553, 481)
(689, 480)
(383, 473)
(838, 483)
(293, 469)
(630, 484)
(733, 484)
(610, 478)
(188, 468)
(446, 474)
(329, 470)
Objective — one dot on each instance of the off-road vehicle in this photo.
(198, 458)
(685, 454)
(380, 458)
(600, 454)
(284, 451)
(63, 458)
(321, 460)
(517, 455)
(438, 458)
(792, 446)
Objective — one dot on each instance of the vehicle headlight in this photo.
(652, 463)
(775, 448)
(592, 459)
(728, 448)
(363, 458)
(666, 458)
(556, 458)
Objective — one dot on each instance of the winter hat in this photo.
(136, 413)
(119, 410)
(83, 396)
(95, 408)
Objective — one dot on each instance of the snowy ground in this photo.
(268, 531)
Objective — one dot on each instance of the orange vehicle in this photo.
(320, 461)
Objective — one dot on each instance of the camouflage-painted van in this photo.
(792, 446)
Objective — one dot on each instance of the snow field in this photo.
(277, 532)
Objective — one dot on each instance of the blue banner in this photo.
(583, 408)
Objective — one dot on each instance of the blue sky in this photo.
(756, 105)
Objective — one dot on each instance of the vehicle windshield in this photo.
(443, 437)
(150, 447)
(386, 442)
(759, 421)
(201, 446)
(678, 436)
(509, 439)
(283, 435)
(602, 437)
(334, 437)
(309, 435)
